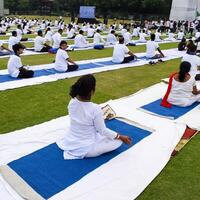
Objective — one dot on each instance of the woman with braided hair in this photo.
(87, 135)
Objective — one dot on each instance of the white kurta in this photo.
(87, 135)
(181, 93)
(80, 41)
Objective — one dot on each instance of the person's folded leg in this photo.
(102, 146)
(128, 59)
(72, 68)
(24, 73)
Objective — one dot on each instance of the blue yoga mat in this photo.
(48, 173)
(173, 112)
(46, 72)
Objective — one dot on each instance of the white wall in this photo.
(184, 10)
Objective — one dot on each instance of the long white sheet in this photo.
(142, 163)
(170, 54)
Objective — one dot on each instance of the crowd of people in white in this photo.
(99, 139)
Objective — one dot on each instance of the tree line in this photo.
(104, 8)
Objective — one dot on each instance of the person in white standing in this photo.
(87, 135)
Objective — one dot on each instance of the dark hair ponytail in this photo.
(184, 69)
(83, 87)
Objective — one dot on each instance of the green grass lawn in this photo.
(33, 105)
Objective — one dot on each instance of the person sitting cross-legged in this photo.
(62, 59)
(15, 67)
(120, 51)
(4, 50)
(152, 47)
(87, 135)
(40, 44)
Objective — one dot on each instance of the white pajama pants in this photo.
(103, 145)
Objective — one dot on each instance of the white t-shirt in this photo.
(180, 35)
(80, 41)
(14, 63)
(61, 63)
(86, 127)
(12, 41)
(151, 48)
(1, 44)
(181, 93)
(70, 33)
(98, 39)
(194, 61)
(19, 33)
(111, 38)
(142, 37)
(48, 36)
(157, 36)
(119, 52)
(127, 37)
(90, 32)
(56, 40)
(39, 43)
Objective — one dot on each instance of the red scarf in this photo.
(164, 102)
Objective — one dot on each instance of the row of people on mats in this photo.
(64, 64)
(50, 43)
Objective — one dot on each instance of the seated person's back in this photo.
(184, 91)
(120, 51)
(193, 59)
(152, 47)
(79, 40)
